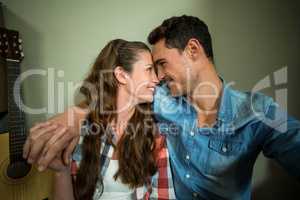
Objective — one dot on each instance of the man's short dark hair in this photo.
(177, 31)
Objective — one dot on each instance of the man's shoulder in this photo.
(249, 105)
(169, 108)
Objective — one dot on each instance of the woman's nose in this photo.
(155, 79)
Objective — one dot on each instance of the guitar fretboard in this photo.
(16, 128)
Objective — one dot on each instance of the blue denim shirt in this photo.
(217, 162)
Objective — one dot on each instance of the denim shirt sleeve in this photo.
(282, 139)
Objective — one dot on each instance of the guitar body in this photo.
(34, 186)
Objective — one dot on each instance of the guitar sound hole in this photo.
(18, 170)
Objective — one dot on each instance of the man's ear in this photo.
(121, 75)
(194, 49)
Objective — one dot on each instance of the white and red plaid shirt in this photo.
(160, 186)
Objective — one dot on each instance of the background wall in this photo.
(252, 40)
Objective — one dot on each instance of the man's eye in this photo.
(162, 64)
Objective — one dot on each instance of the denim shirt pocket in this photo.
(223, 155)
(224, 147)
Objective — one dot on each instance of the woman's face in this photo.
(143, 78)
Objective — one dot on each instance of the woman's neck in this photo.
(125, 110)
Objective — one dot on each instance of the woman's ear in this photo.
(121, 75)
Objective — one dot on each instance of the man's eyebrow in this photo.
(158, 61)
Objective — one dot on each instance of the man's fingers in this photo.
(57, 147)
(33, 134)
(37, 141)
(69, 150)
(36, 149)
(55, 137)
(26, 149)
(39, 125)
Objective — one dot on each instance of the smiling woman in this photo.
(128, 81)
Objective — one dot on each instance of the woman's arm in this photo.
(63, 188)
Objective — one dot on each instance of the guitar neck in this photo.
(11, 51)
(16, 122)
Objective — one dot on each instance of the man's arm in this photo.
(281, 139)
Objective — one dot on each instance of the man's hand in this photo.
(54, 139)
(46, 142)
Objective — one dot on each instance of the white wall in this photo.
(67, 35)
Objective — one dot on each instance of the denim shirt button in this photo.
(224, 149)
(187, 176)
(187, 157)
(192, 133)
(195, 194)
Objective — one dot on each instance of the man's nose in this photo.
(160, 75)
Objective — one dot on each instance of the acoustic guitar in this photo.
(18, 180)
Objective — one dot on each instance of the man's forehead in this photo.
(160, 45)
(158, 50)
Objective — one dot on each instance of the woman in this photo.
(120, 153)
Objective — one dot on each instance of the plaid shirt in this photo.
(160, 187)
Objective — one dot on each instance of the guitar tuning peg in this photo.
(14, 44)
(22, 54)
(20, 47)
(16, 52)
(4, 35)
(6, 51)
(6, 43)
(20, 40)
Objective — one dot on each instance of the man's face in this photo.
(173, 66)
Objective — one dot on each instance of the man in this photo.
(214, 133)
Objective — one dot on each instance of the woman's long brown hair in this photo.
(135, 147)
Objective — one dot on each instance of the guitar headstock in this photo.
(11, 45)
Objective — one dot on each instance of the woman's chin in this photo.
(146, 100)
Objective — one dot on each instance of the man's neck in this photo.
(206, 96)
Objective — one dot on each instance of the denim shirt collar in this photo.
(225, 113)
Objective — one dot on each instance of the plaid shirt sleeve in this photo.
(162, 183)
